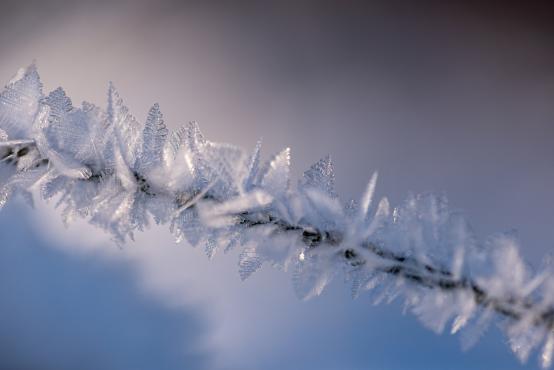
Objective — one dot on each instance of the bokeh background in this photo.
(442, 96)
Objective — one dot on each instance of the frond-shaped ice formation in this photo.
(121, 175)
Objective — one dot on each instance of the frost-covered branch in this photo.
(105, 166)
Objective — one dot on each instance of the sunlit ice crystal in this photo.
(105, 165)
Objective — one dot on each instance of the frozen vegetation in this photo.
(121, 175)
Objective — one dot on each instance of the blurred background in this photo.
(444, 96)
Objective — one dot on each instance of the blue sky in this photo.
(444, 99)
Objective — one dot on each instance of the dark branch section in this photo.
(13, 153)
(143, 184)
(413, 271)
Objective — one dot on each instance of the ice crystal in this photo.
(104, 165)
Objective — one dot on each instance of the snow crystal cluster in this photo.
(121, 175)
